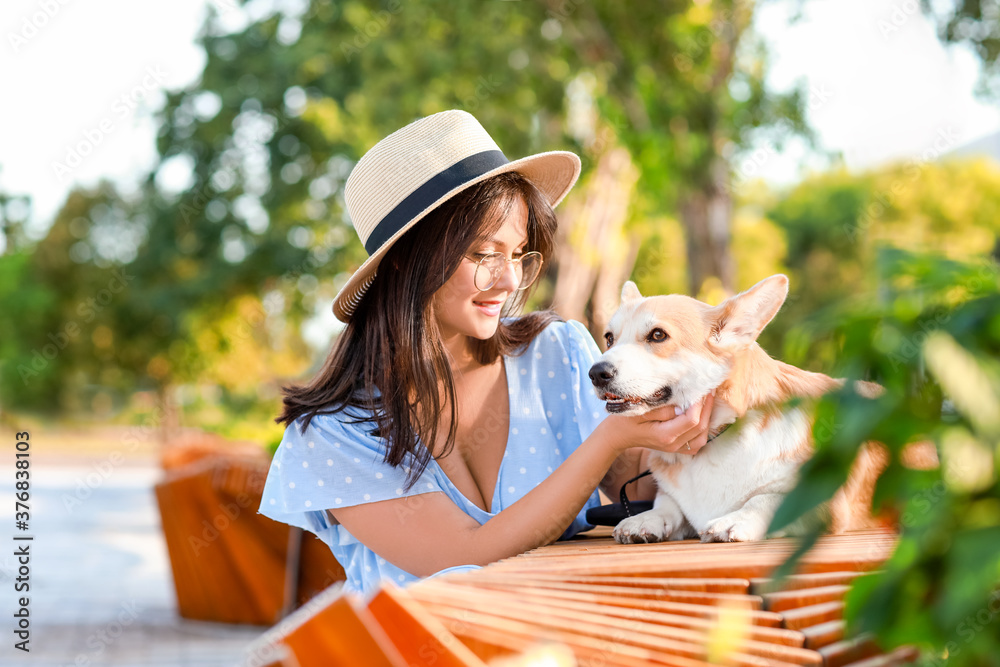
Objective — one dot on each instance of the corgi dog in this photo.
(674, 350)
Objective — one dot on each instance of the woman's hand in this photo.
(663, 429)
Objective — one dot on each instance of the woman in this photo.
(439, 435)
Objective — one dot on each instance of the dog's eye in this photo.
(658, 335)
(609, 338)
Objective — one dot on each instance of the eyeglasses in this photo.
(491, 266)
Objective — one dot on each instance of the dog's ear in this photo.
(740, 319)
(630, 292)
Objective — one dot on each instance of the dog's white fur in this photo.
(731, 489)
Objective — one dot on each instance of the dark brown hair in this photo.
(392, 343)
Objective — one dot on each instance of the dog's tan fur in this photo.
(715, 348)
(758, 380)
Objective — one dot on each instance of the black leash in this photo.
(623, 497)
(612, 515)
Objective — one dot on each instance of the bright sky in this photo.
(883, 87)
(89, 75)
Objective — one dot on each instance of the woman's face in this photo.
(463, 311)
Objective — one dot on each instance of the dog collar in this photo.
(623, 496)
(724, 429)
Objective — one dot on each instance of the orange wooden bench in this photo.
(592, 601)
(231, 564)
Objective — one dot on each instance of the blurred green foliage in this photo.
(974, 24)
(66, 301)
(246, 201)
(28, 308)
(835, 223)
(931, 336)
(198, 288)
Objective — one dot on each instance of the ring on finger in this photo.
(687, 446)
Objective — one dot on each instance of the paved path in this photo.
(101, 587)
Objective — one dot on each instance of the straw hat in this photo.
(417, 168)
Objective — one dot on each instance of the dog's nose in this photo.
(602, 373)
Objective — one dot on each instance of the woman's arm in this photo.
(633, 461)
(426, 533)
(630, 463)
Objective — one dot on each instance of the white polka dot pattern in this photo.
(344, 466)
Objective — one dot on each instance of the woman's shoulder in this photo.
(343, 429)
(560, 350)
(565, 334)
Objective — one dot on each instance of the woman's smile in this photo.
(489, 308)
(465, 312)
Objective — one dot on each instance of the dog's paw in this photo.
(643, 528)
(731, 528)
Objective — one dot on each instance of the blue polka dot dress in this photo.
(336, 463)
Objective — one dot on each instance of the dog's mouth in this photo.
(615, 403)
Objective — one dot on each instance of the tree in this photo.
(268, 156)
(14, 211)
(686, 93)
(835, 224)
(62, 345)
(975, 24)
